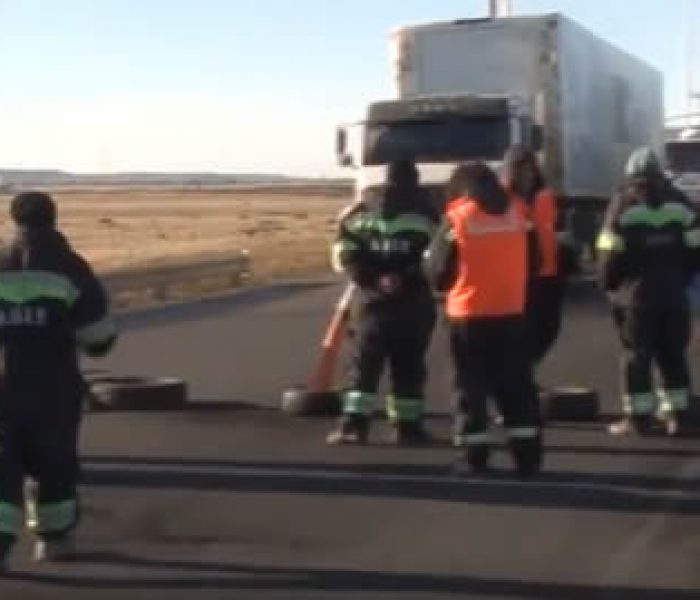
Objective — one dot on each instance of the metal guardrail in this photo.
(162, 283)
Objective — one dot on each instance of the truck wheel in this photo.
(137, 393)
(570, 404)
(298, 402)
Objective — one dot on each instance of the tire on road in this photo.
(137, 393)
(570, 404)
(298, 402)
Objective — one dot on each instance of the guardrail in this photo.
(175, 281)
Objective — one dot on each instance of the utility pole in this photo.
(500, 8)
(692, 95)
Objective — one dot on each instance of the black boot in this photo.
(55, 548)
(475, 460)
(351, 430)
(409, 433)
(679, 423)
(527, 454)
(633, 425)
(6, 543)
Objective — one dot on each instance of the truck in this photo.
(683, 157)
(468, 89)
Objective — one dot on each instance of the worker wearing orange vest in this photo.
(479, 258)
(545, 285)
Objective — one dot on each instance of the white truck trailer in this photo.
(467, 89)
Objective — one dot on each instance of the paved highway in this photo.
(229, 500)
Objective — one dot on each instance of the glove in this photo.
(389, 284)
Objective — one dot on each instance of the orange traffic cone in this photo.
(319, 397)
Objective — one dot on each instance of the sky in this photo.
(238, 85)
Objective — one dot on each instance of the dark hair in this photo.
(33, 210)
(477, 180)
(402, 174)
(515, 159)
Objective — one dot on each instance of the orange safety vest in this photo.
(542, 214)
(492, 260)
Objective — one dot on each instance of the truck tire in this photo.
(298, 402)
(137, 393)
(570, 404)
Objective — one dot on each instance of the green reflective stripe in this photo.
(674, 400)
(692, 238)
(11, 519)
(640, 404)
(666, 214)
(337, 250)
(523, 433)
(100, 332)
(355, 402)
(400, 224)
(404, 409)
(610, 242)
(57, 517)
(476, 439)
(27, 286)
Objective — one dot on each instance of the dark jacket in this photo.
(650, 245)
(386, 234)
(51, 305)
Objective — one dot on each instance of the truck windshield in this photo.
(437, 140)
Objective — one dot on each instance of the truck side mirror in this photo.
(537, 138)
(341, 141)
(345, 159)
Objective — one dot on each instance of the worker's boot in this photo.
(527, 454)
(6, 543)
(676, 423)
(55, 548)
(409, 433)
(632, 425)
(351, 430)
(475, 460)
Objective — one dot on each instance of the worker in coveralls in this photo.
(380, 246)
(545, 285)
(649, 248)
(479, 258)
(51, 304)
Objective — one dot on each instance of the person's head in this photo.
(645, 175)
(402, 174)
(522, 172)
(33, 210)
(476, 180)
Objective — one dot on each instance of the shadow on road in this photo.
(221, 576)
(622, 492)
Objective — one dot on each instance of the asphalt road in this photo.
(227, 501)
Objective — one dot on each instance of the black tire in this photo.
(138, 393)
(297, 402)
(572, 404)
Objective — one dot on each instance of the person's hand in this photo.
(389, 284)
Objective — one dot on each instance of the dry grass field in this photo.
(286, 231)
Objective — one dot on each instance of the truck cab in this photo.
(683, 160)
(438, 133)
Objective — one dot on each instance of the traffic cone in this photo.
(319, 397)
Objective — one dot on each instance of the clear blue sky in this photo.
(235, 85)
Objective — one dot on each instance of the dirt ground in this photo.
(286, 231)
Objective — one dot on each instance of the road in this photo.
(229, 500)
